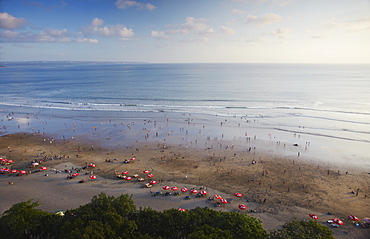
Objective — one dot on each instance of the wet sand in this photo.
(275, 188)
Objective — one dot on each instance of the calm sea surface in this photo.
(327, 100)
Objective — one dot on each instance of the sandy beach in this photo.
(275, 189)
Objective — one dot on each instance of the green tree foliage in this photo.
(104, 217)
(175, 224)
(22, 220)
(303, 230)
(208, 232)
(117, 217)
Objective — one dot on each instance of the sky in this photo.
(186, 31)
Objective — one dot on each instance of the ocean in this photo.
(325, 101)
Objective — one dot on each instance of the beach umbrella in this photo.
(337, 221)
(128, 178)
(132, 159)
(23, 171)
(14, 171)
(174, 188)
(238, 195)
(35, 164)
(182, 210)
(184, 190)
(222, 200)
(153, 182)
(313, 216)
(217, 196)
(166, 187)
(75, 174)
(242, 206)
(194, 191)
(203, 192)
(2, 160)
(150, 175)
(10, 161)
(146, 171)
(92, 165)
(43, 168)
(353, 218)
(92, 177)
(125, 172)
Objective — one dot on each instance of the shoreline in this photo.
(277, 188)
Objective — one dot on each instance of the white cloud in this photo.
(88, 40)
(122, 4)
(280, 33)
(46, 36)
(278, 2)
(319, 36)
(362, 24)
(265, 19)
(8, 34)
(193, 30)
(159, 34)
(197, 26)
(97, 22)
(196, 40)
(7, 21)
(53, 35)
(96, 27)
(256, 40)
(227, 30)
(237, 11)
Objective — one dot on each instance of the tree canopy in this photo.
(117, 217)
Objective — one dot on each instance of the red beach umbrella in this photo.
(182, 210)
(146, 171)
(150, 175)
(75, 174)
(92, 177)
(184, 190)
(217, 196)
(128, 178)
(194, 191)
(174, 188)
(14, 171)
(125, 172)
(337, 221)
(313, 216)
(224, 201)
(43, 168)
(92, 165)
(238, 195)
(23, 171)
(353, 218)
(132, 159)
(153, 182)
(242, 206)
(203, 192)
(166, 187)
(10, 161)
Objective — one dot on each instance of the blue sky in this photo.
(171, 31)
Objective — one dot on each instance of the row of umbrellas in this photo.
(336, 220)
(241, 206)
(6, 161)
(8, 170)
